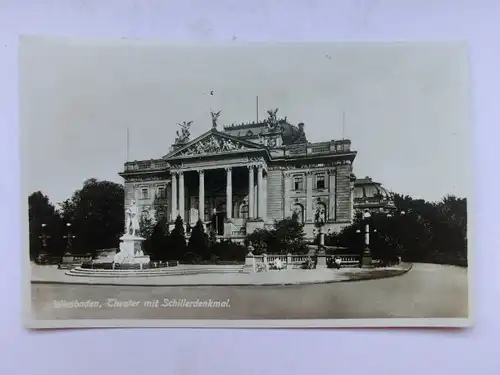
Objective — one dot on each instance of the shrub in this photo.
(157, 244)
(259, 240)
(228, 251)
(198, 242)
(177, 241)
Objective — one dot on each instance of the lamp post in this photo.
(366, 259)
(215, 221)
(43, 242)
(69, 237)
(398, 241)
(44, 237)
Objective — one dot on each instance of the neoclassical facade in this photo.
(245, 177)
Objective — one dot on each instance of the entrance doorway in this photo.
(220, 215)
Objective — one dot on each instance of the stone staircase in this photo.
(155, 272)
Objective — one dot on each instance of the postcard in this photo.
(245, 185)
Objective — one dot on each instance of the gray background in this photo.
(193, 351)
(406, 106)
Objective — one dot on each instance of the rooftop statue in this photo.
(184, 134)
(215, 117)
(272, 120)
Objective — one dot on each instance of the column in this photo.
(260, 194)
(309, 203)
(255, 201)
(367, 236)
(332, 214)
(181, 195)
(174, 196)
(264, 211)
(201, 195)
(250, 192)
(286, 195)
(366, 259)
(229, 193)
(351, 201)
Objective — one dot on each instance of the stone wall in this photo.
(275, 195)
(343, 190)
(133, 191)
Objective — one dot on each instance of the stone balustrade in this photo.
(140, 165)
(303, 149)
(295, 261)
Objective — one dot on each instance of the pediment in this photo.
(214, 143)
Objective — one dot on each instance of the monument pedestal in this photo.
(250, 260)
(366, 259)
(321, 258)
(131, 250)
(228, 228)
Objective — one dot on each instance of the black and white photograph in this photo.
(245, 184)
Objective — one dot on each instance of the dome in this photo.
(372, 195)
(367, 188)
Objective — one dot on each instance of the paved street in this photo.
(426, 291)
(197, 275)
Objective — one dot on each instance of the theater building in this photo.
(240, 178)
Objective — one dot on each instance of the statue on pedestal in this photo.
(132, 226)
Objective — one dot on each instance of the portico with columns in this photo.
(245, 178)
(227, 210)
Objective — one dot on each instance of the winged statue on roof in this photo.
(272, 120)
(215, 117)
(184, 134)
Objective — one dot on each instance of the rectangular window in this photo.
(161, 192)
(298, 183)
(320, 181)
(144, 193)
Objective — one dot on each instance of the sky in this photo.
(406, 105)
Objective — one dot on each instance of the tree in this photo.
(160, 209)
(417, 230)
(97, 215)
(212, 237)
(157, 245)
(147, 226)
(198, 242)
(287, 237)
(44, 221)
(177, 240)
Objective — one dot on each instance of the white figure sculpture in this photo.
(278, 264)
(124, 255)
(193, 216)
(132, 220)
(118, 258)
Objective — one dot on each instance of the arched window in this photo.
(298, 210)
